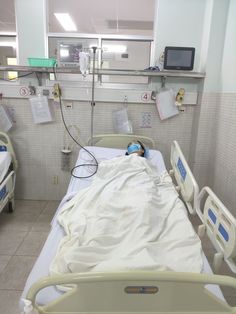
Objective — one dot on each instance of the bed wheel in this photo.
(11, 207)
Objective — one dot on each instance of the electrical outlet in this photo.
(146, 120)
(69, 105)
(45, 92)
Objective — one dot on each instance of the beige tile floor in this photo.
(22, 235)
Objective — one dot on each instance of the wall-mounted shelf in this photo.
(20, 68)
(197, 75)
(75, 70)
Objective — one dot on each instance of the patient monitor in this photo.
(179, 58)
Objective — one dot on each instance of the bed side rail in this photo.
(6, 145)
(220, 226)
(7, 187)
(134, 292)
(186, 183)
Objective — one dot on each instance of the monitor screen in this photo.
(68, 53)
(179, 58)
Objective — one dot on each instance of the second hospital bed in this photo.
(138, 291)
(8, 167)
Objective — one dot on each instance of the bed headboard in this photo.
(120, 140)
(186, 183)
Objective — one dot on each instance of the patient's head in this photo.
(136, 147)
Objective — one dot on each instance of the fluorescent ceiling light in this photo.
(66, 21)
(114, 48)
(8, 44)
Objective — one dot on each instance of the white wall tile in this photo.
(206, 134)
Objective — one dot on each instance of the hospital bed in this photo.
(140, 291)
(8, 167)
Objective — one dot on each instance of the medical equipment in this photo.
(8, 167)
(92, 163)
(68, 145)
(121, 121)
(180, 97)
(92, 100)
(179, 58)
(69, 54)
(132, 291)
(65, 159)
(84, 62)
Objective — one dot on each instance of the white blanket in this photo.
(117, 223)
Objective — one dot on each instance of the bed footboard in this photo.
(220, 226)
(134, 292)
(186, 183)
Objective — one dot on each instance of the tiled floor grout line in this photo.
(12, 255)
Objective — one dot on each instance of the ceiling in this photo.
(123, 17)
(7, 16)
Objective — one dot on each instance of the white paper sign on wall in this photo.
(5, 121)
(40, 109)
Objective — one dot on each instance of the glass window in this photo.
(7, 34)
(12, 75)
(7, 50)
(122, 34)
(120, 17)
(125, 55)
(66, 51)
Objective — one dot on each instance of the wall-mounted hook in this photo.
(153, 95)
(125, 98)
(163, 81)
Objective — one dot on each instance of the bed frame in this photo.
(152, 292)
(7, 186)
(186, 183)
(135, 292)
(220, 226)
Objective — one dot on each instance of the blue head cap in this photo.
(135, 147)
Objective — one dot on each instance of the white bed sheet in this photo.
(5, 161)
(101, 154)
(50, 247)
(104, 154)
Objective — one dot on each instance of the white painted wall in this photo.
(205, 24)
(228, 83)
(179, 23)
(31, 29)
(216, 41)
